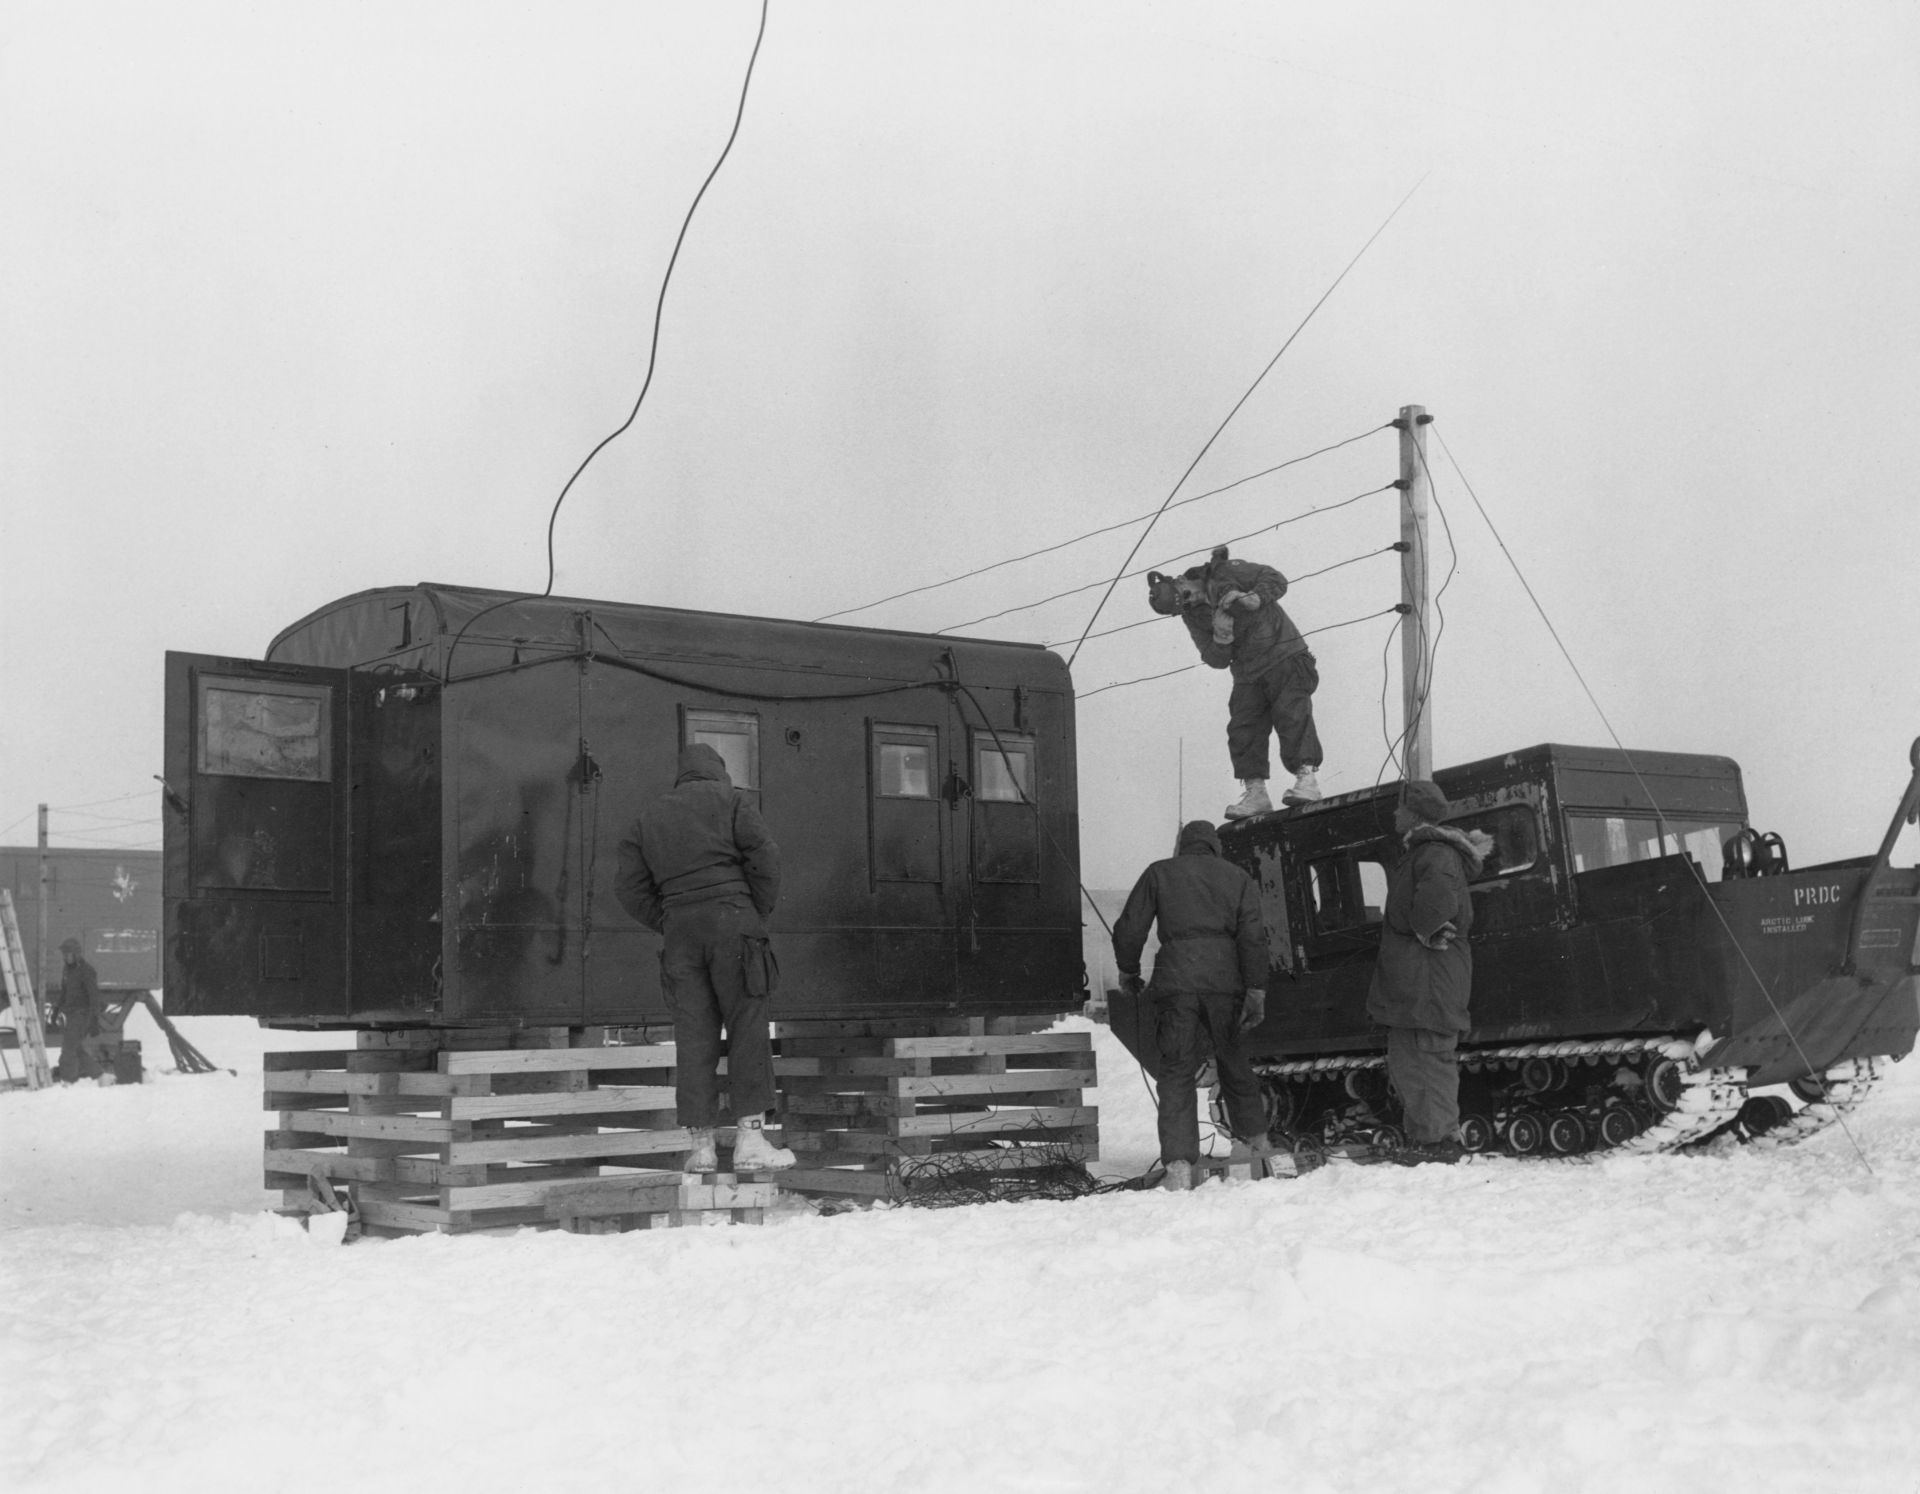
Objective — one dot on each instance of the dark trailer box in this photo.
(410, 811)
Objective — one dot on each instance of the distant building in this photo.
(108, 900)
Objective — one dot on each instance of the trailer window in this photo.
(250, 732)
(735, 735)
(1597, 840)
(1002, 768)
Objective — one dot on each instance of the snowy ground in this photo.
(1731, 1321)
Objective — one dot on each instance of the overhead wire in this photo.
(1208, 446)
(1104, 529)
(1170, 560)
(1291, 582)
(1081, 695)
(1660, 813)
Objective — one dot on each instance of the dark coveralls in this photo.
(1213, 949)
(1274, 674)
(699, 867)
(1419, 993)
(79, 1007)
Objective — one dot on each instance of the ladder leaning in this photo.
(26, 1007)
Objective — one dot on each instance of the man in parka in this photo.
(1232, 610)
(700, 867)
(1209, 982)
(1424, 977)
(79, 1008)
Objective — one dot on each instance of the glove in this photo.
(1132, 985)
(1222, 626)
(1249, 600)
(1255, 1010)
(1440, 938)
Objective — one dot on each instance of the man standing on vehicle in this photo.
(700, 867)
(1232, 610)
(1209, 984)
(1424, 977)
(79, 1009)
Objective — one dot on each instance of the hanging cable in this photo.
(653, 347)
(1183, 555)
(1645, 788)
(1121, 574)
(1104, 529)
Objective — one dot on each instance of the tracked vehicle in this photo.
(1645, 961)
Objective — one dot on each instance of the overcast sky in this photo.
(296, 301)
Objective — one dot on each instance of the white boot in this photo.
(1305, 790)
(1253, 801)
(752, 1152)
(1179, 1178)
(702, 1158)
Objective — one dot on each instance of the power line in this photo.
(1104, 529)
(1081, 695)
(1183, 555)
(1120, 575)
(1292, 582)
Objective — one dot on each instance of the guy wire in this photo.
(1660, 813)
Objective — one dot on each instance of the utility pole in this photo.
(40, 950)
(1416, 652)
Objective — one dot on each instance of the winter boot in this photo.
(1305, 790)
(752, 1152)
(1179, 1178)
(702, 1158)
(1253, 801)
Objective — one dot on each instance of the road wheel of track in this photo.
(1476, 1133)
(1566, 1134)
(1762, 1113)
(1386, 1140)
(1524, 1134)
(1617, 1126)
(1809, 1088)
(1664, 1084)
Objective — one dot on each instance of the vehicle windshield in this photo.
(1598, 840)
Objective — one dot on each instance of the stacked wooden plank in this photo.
(866, 1105)
(459, 1130)
(660, 1200)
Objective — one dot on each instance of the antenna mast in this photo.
(1416, 650)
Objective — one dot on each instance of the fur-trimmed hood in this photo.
(1474, 846)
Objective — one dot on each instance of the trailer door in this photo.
(256, 838)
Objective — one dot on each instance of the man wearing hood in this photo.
(79, 1008)
(1424, 977)
(1209, 983)
(699, 867)
(1232, 611)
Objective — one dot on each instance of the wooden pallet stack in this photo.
(866, 1105)
(461, 1130)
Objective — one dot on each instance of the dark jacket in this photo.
(80, 1003)
(1414, 985)
(1211, 937)
(1262, 637)
(699, 842)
